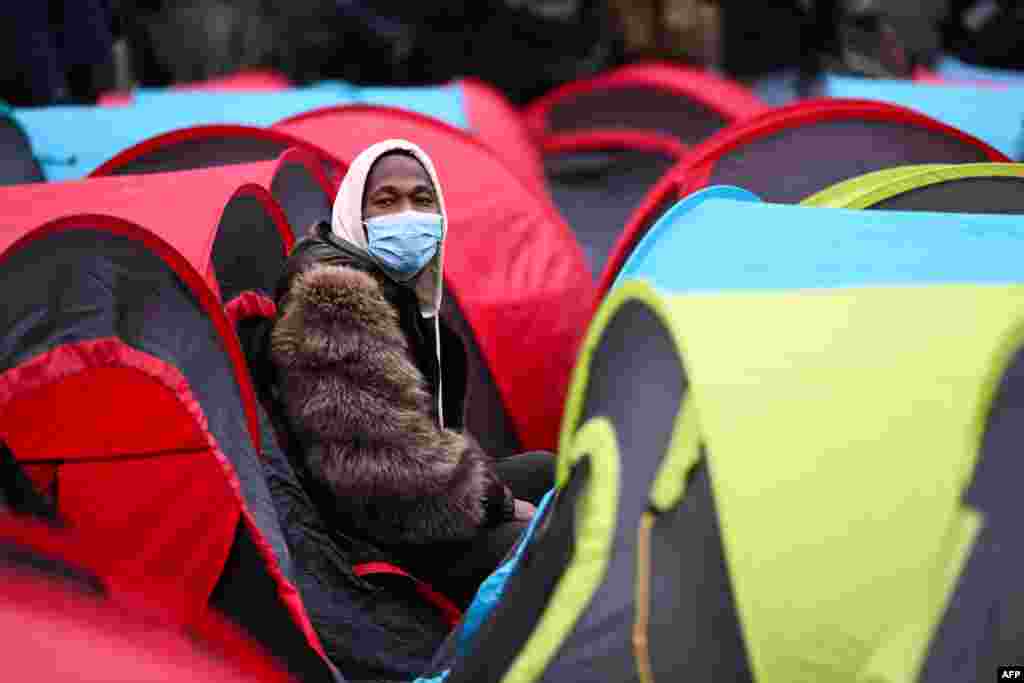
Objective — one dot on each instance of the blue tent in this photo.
(725, 238)
(993, 115)
(951, 67)
(72, 141)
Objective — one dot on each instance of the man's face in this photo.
(397, 183)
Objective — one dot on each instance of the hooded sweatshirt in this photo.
(353, 386)
(347, 225)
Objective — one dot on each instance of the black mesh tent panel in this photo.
(992, 194)
(198, 152)
(17, 161)
(301, 197)
(249, 249)
(694, 626)
(487, 419)
(84, 283)
(636, 107)
(796, 162)
(597, 192)
(983, 626)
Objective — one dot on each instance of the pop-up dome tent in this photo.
(797, 150)
(995, 115)
(685, 103)
(302, 180)
(813, 467)
(598, 178)
(960, 188)
(49, 587)
(17, 162)
(122, 382)
(517, 285)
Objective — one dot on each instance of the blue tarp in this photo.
(72, 141)
(724, 238)
(995, 115)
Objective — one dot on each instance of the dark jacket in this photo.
(358, 379)
(376, 626)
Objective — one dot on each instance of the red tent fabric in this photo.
(689, 103)
(302, 180)
(791, 152)
(216, 145)
(494, 120)
(185, 416)
(512, 265)
(50, 620)
(200, 200)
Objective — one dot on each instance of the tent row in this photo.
(119, 326)
(136, 297)
(599, 149)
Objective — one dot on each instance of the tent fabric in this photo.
(585, 626)
(688, 580)
(229, 229)
(598, 178)
(793, 151)
(689, 104)
(960, 188)
(494, 121)
(50, 587)
(17, 162)
(258, 80)
(443, 102)
(527, 273)
(467, 103)
(760, 246)
(210, 146)
(204, 257)
(71, 141)
(992, 115)
(111, 320)
(951, 67)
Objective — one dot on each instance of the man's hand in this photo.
(524, 510)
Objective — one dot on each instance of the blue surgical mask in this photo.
(404, 242)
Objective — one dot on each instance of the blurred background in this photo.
(70, 51)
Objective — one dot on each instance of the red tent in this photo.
(219, 145)
(689, 104)
(297, 180)
(513, 270)
(791, 152)
(494, 120)
(124, 392)
(65, 623)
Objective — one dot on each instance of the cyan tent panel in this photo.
(995, 115)
(72, 141)
(953, 68)
(712, 242)
(442, 102)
